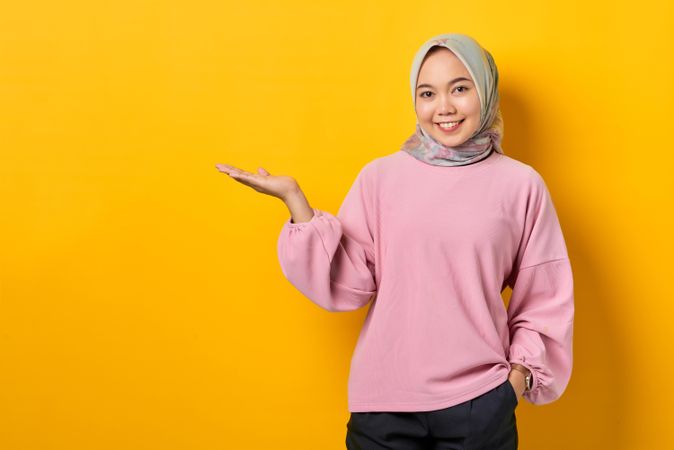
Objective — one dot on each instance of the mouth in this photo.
(448, 127)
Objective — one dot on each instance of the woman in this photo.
(432, 234)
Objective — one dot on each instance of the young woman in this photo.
(431, 235)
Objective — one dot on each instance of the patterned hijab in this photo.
(488, 135)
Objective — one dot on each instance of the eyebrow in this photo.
(448, 84)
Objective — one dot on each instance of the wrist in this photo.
(519, 368)
(517, 380)
(299, 208)
(293, 194)
(526, 374)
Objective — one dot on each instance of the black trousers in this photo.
(486, 422)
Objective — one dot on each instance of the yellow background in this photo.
(142, 304)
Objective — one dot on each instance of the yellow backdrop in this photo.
(142, 305)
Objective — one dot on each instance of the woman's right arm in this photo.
(330, 259)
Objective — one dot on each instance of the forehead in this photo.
(440, 62)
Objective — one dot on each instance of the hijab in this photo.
(487, 137)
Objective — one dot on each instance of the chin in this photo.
(453, 142)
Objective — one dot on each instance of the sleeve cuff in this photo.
(291, 224)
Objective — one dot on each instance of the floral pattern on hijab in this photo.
(489, 134)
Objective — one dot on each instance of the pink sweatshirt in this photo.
(433, 247)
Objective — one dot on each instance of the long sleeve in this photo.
(541, 307)
(330, 259)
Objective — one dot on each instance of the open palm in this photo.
(279, 186)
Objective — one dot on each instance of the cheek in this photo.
(473, 107)
(424, 112)
(470, 107)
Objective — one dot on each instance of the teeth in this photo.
(448, 124)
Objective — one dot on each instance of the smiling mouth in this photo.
(449, 126)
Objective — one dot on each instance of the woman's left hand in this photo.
(516, 378)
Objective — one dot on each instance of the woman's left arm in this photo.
(541, 307)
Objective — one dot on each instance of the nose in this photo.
(446, 105)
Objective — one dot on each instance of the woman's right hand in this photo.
(280, 186)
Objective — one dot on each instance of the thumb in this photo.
(261, 171)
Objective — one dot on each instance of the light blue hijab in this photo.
(488, 136)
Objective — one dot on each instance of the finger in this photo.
(262, 171)
(239, 172)
(240, 178)
(243, 175)
(252, 183)
(226, 168)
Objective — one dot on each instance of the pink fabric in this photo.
(433, 247)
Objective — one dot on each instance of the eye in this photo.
(425, 92)
(465, 88)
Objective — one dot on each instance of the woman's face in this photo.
(445, 92)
